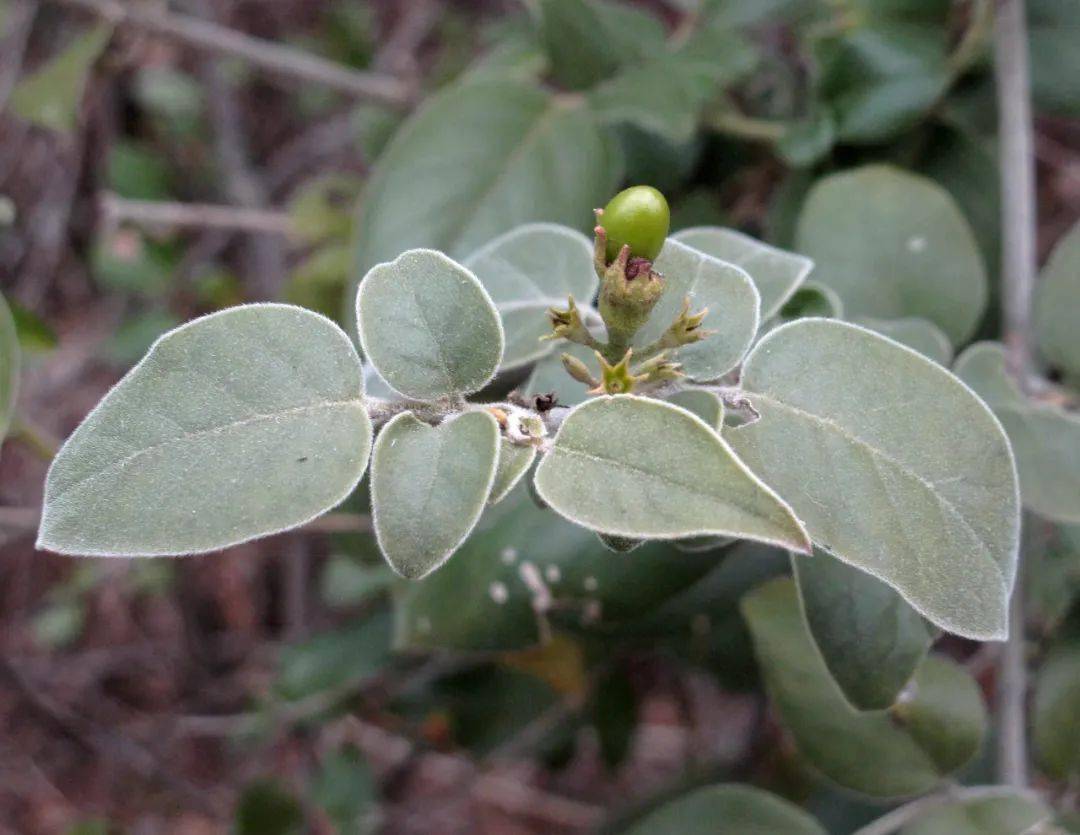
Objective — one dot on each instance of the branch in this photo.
(895, 820)
(152, 213)
(1018, 219)
(272, 57)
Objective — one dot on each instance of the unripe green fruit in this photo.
(639, 217)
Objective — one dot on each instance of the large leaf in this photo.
(918, 334)
(9, 365)
(634, 467)
(907, 750)
(525, 568)
(1005, 812)
(429, 486)
(428, 326)
(1045, 438)
(893, 244)
(727, 810)
(1056, 724)
(51, 95)
(776, 273)
(528, 270)
(240, 424)
(478, 160)
(724, 289)
(870, 639)
(1057, 305)
(893, 465)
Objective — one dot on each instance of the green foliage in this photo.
(912, 520)
(9, 365)
(905, 751)
(267, 808)
(236, 425)
(1057, 305)
(894, 245)
(1008, 813)
(345, 788)
(428, 326)
(869, 638)
(1056, 723)
(429, 486)
(918, 334)
(727, 810)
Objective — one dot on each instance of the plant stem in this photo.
(153, 213)
(272, 57)
(898, 818)
(731, 123)
(1018, 216)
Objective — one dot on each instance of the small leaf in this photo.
(428, 326)
(1007, 812)
(525, 570)
(918, 334)
(635, 467)
(514, 462)
(881, 753)
(1057, 305)
(429, 486)
(266, 808)
(724, 289)
(335, 660)
(9, 366)
(893, 244)
(893, 464)
(705, 404)
(34, 333)
(870, 639)
(51, 95)
(240, 424)
(776, 273)
(528, 270)
(1056, 723)
(729, 809)
(345, 788)
(811, 299)
(1045, 438)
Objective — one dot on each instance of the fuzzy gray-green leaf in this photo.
(636, 467)
(893, 465)
(429, 486)
(893, 244)
(528, 270)
(514, 462)
(1045, 438)
(1057, 305)
(775, 272)
(728, 293)
(239, 424)
(870, 639)
(1006, 812)
(918, 334)
(730, 809)
(879, 753)
(428, 326)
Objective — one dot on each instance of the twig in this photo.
(152, 213)
(734, 124)
(274, 58)
(895, 820)
(1018, 216)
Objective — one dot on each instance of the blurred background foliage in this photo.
(292, 685)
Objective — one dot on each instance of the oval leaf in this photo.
(240, 424)
(528, 270)
(882, 753)
(9, 366)
(635, 467)
(776, 273)
(1005, 812)
(1057, 712)
(1045, 438)
(893, 244)
(870, 639)
(429, 486)
(477, 160)
(1057, 305)
(918, 334)
(892, 463)
(728, 293)
(727, 810)
(428, 326)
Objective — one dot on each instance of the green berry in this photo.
(638, 216)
